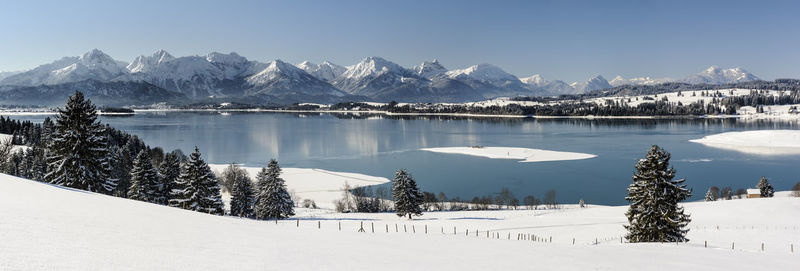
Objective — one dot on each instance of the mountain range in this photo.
(161, 77)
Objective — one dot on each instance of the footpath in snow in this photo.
(523, 154)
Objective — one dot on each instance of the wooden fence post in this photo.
(426, 228)
(340, 225)
(373, 227)
(298, 222)
(573, 240)
(319, 224)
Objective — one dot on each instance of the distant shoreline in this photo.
(387, 113)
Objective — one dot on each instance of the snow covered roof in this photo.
(753, 191)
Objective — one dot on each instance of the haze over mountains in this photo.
(161, 77)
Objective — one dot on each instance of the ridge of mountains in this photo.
(161, 77)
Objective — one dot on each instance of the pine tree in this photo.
(766, 188)
(78, 151)
(168, 172)
(654, 214)
(200, 188)
(242, 194)
(272, 199)
(144, 179)
(710, 195)
(407, 198)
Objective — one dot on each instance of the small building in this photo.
(753, 193)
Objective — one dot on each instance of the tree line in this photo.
(75, 150)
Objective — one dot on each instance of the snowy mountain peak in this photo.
(646, 80)
(534, 80)
(429, 69)
(229, 59)
(717, 75)
(326, 71)
(146, 63)
(482, 72)
(371, 66)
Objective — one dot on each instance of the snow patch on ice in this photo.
(524, 154)
(763, 142)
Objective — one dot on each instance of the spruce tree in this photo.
(200, 188)
(272, 199)
(78, 151)
(407, 198)
(654, 214)
(710, 195)
(168, 172)
(144, 179)
(766, 188)
(242, 194)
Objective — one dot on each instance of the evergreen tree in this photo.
(168, 172)
(78, 151)
(766, 188)
(119, 171)
(710, 195)
(654, 214)
(200, 188)
(242, 194)
(144, 179)
(407, 198)
(272, 199)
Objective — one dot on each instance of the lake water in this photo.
(379, 145)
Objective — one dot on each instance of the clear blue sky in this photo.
(568, 40)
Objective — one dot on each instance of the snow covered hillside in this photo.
(45, 227)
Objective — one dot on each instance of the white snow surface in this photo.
(372, 66)
(764, 142)
(524, 154)
(717, 75)
(46, 227)
(326, 71)
(319, 185)
(483, 72)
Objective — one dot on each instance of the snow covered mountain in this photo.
(94, 65)
(326, 71)
(101, 93)
(3, 74)
(491, 81)
(216, 74)
(619, 81)
(429, 69)
(594, 83)
(716, 75)
(231, 76)
(538, 84)
(373, 75)
(486, 73)
(280, 79)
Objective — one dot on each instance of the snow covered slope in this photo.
(45, 227)
(619, 81)
(326, 71)
(93, 64)
(429, 69)
(716, 75)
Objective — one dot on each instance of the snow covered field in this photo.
(319, 185)
(524, 154)
(45, 227)
(766, 142)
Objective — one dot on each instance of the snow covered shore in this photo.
(524, 154)
(319, 185)
(764, 142)
(45, 227)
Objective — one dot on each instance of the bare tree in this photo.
(550, 198)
